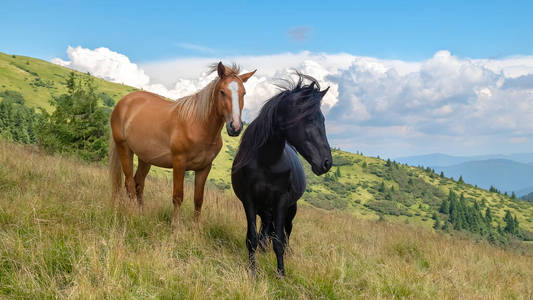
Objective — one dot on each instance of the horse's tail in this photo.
(115, 170)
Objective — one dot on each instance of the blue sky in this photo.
(147, 31)
(406, 77)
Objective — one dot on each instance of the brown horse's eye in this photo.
(222, 92)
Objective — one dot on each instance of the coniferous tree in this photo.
(436, 225)
(444, 207)
(78, 125)
(338, 172)
(510, 225)
(488, 216)
(382, 187)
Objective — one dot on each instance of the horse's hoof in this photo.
(281, 273)
(261, 248)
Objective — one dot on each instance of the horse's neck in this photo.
(213, 125)
(272, 150)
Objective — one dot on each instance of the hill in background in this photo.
(38, 80)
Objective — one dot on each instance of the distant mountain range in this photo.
(444, 160)
(508, 173)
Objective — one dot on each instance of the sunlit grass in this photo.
(59, 237)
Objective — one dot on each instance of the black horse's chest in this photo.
(268, 187)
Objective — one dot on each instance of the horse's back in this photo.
(139, 102)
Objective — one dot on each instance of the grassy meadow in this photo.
(60, 238)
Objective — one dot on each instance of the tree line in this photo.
(78, 124)
(477, 219)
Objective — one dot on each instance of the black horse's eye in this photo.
(222, 92)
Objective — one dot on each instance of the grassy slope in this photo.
(355, 188)
(19, 73)
(60, 238)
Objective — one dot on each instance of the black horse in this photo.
(267, 175)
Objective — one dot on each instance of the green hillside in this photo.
(411, 194)
(364, 186)
(38, 80)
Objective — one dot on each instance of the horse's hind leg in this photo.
(291, 213)
(199, 183)
(142, 170)
(126, 159)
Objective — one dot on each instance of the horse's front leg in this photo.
(251, 234)
(199, 183)
(280, 241)
(178, 165)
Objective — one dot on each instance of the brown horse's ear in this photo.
(246, 76)
(221, 70)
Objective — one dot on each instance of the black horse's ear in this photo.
(221, 70)
(323, 93)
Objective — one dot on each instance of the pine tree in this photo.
(338, 172)
(460, 181)
(441, 174)
(509, 223)
(436, 225)
(78, 124)
(488, 216)
(444, 207)
(382, 187)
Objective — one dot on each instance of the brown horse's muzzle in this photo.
(232, 131)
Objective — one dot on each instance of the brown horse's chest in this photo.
(202, 156)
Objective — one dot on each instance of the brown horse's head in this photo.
(229, 97)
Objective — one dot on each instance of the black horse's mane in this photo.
(306, 98)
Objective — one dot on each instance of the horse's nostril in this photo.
(327, 164)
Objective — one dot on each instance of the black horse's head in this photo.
(302, 123)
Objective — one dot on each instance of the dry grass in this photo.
(59, 238)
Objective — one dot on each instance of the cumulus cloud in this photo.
(106, 64)
(387, 107)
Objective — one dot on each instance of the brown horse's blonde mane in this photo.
(198, 105)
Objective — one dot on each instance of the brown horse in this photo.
(184, 135)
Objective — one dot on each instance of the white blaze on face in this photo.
(234, 88)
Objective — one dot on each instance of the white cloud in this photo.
(104, 63)
(387, 107)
